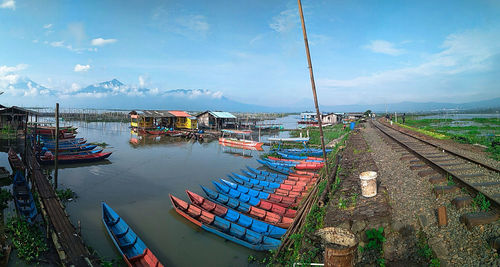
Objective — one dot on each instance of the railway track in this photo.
(450, 168)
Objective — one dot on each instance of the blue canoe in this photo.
(266, 173)
(295, 157)
(241, 192)
(274, 167)
(233, 216)
(305, 151)
(254, 183)
(23, 198)
(260, 177)
(246, 207)
(131, 247)
(224, 228)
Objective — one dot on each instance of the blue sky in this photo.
(363, 52)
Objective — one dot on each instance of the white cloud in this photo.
(47, 26)
(468, 52)
(81, 68)
(35, 41)
(57, 44)
(8, 4)
(142, 81)
(383, 47)
(101, 41)
(194, 23)
(285, 21)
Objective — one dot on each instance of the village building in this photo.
(14, 118)
(216, 120)
(353, 116)
(183, 120)
(331, 118)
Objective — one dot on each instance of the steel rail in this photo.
(456, 177)
(492, 168)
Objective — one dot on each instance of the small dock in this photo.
(69, 245)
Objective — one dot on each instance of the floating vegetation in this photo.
(5, 197)
(66, 194)
(27, 239)
(102, 144)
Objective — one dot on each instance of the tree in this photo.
(367, 113)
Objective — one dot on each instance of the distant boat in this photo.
(131, 247)
(23, 198)
(239, 142)
(224, 228)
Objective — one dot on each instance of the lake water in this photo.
(136, 182)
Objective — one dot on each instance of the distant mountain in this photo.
(416, 106)
(26, 87)
(114, 94)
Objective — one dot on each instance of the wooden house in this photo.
(216, 120)
(151, 118)
(14, 118)
(183, 120)
(331, 118)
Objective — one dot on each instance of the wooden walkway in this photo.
(70, 247)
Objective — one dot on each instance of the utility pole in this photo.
(313, 86)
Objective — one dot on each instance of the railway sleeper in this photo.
(461, 202)
(437, 179)
(427, 173)
(445, 189)
(418, 166)
(478, 218)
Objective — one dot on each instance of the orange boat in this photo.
(233, 139)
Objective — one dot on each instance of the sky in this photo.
(363, 52)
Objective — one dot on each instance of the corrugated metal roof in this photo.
(155, 113)
(222, 115)
(178, 113)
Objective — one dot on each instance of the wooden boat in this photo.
(67, 159)
(79, 140)
(283, 186)
(15, 162)
(276, 191)
(270, 174)
(297, 175)
(258, 213)
(305, 151)
(235, 216)
(296, 160)
(131, 247)
(274, 167)
(73, 148)
(23, 198)
(243, 204)
(155, 132)
(84, 152)
(240, 142)
(239, 146)
(243, 192)
(224, 228)
(289, 181)
(300, 165)
(291, 156)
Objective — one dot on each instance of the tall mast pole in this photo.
(313, 85)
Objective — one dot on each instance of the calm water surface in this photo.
(136, 182)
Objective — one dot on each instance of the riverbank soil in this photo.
(414, 234)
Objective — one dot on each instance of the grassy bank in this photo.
(330, 133)
(483, 131)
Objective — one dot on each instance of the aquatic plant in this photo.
(27, 239)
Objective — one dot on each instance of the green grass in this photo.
(483, 132)
(329, 132)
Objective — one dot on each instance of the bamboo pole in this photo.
(313, 86)
(57, 146)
